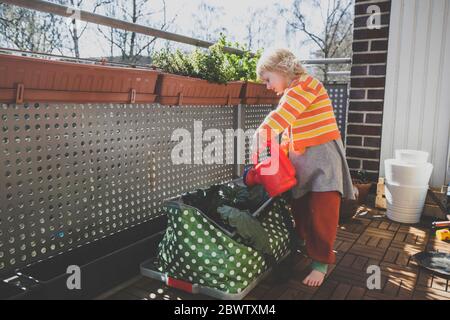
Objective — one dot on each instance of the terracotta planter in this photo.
(25, 79)
(257, 93)
(363, 191)
(180, 90)
(349, 207)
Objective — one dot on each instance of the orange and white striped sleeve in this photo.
(291, 105)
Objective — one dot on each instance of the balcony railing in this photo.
(86, 161)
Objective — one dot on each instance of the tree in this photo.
(258, 23)
(30, 30)
(205, 22)
(75, 28)
(130, 44)
(335, 37)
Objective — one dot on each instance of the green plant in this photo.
(175, 62)
(213, 64)
(242, 66)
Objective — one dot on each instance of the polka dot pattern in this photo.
(199, 251)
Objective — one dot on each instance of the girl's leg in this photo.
(324, 221)
(301, 214)
(324, 211)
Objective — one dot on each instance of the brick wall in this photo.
(368, 75)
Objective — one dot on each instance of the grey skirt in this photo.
(322, 168)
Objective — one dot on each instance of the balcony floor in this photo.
(368, 238)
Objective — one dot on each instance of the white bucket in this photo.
(402, 218)
(404, 215)
(411, 156)
(410, 174)
(405, 196)
(404, 210)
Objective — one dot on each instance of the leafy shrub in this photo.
(213, 64)
(175, 62)
(243, 66)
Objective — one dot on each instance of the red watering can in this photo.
(275, 180)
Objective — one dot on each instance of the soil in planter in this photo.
(230, 194)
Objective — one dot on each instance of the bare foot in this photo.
(314, 279)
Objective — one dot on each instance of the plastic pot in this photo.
(403, 217)
(405, 196)
(411, 156)
(409, 174)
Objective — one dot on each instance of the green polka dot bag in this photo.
(196, 252)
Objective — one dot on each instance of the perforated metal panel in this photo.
(254, 115)
(71, 174)
(339, 96)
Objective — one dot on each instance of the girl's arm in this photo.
(291, 105)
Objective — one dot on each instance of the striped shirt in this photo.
(304, 115)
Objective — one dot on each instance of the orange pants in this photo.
(316, 217)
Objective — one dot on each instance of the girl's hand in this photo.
(259, 143)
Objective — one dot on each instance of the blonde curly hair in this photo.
(280, 60)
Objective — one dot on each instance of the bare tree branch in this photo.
(131, 44)
(339, 21)
(344, 37)
(334, 38)
(29, 30)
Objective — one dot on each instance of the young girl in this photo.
(311, 138)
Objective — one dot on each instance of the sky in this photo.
(236, 14)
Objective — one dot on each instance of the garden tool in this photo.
(276, 182)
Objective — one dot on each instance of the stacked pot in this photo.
(406, 185)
